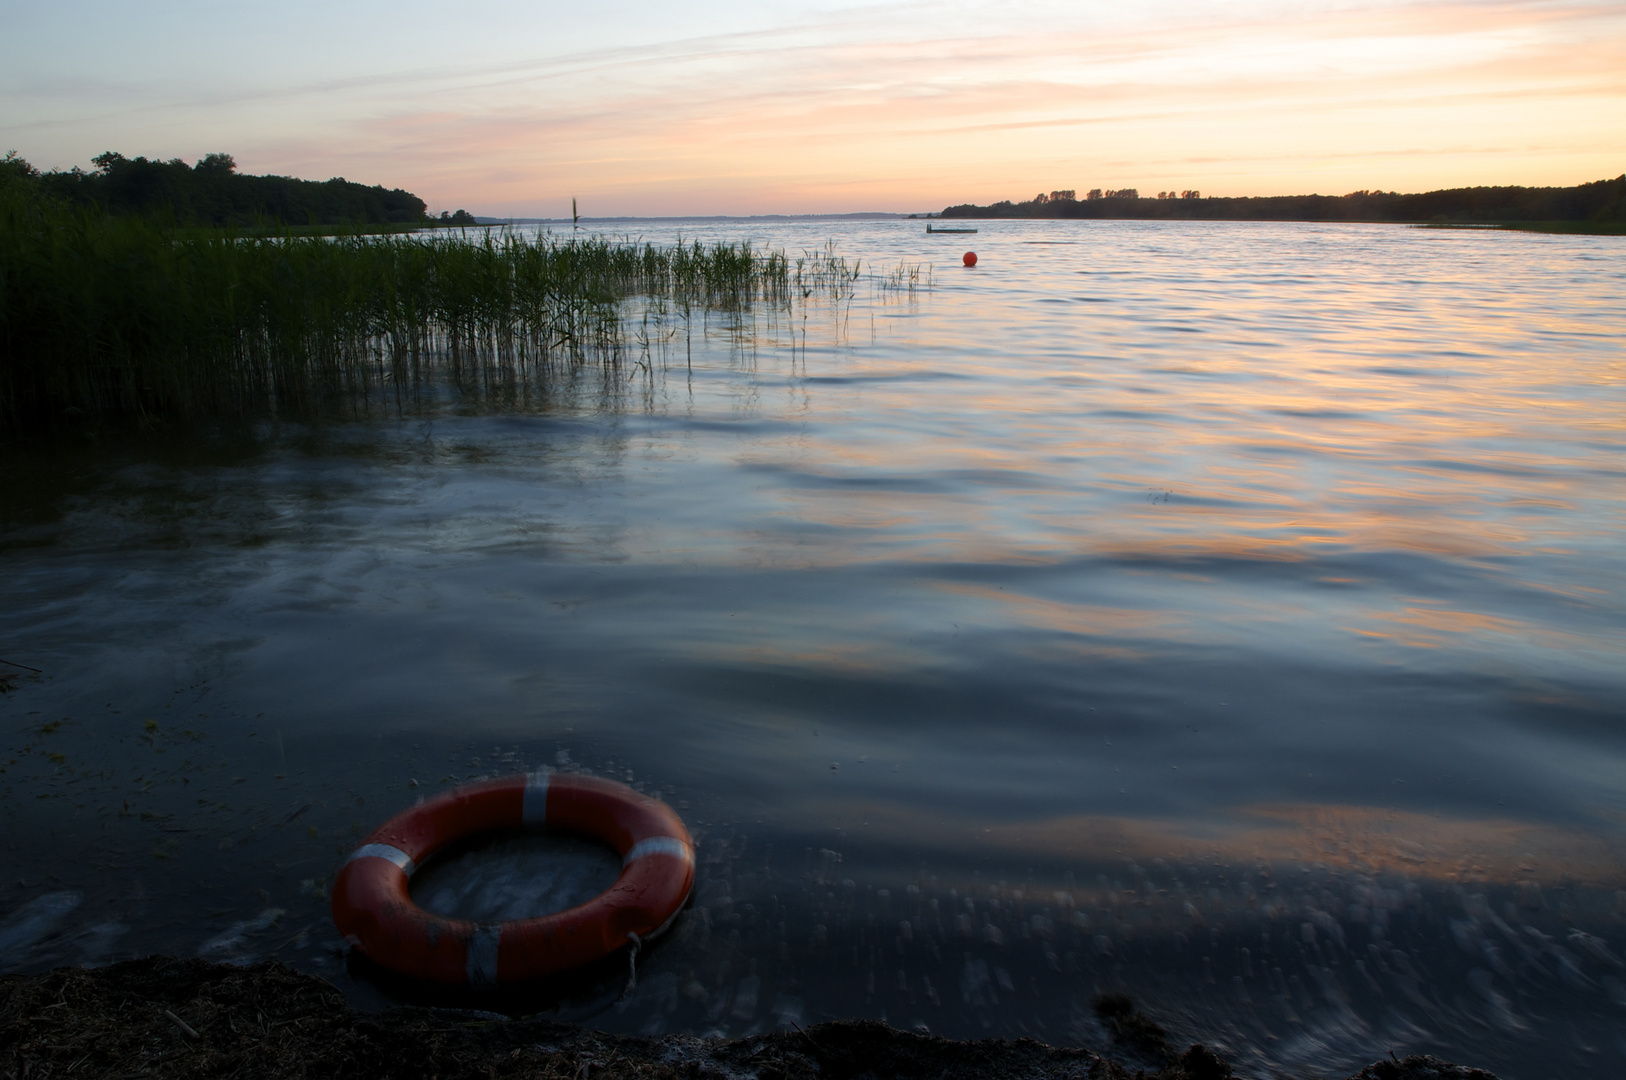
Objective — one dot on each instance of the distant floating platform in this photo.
(932, 230)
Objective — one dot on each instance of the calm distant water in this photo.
(1233, 613)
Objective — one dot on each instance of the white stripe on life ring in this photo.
(387, 852)
(659, 845)
(484, 946)
(535, 809)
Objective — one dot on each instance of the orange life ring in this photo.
(372, 909)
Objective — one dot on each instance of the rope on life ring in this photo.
(375, 913)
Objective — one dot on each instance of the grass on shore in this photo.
(191, 1020)
(121, 317)
(382, 228)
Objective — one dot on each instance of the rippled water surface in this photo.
(1231, 613)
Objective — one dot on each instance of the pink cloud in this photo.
(1408, 96)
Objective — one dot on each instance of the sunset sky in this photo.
(727, 107)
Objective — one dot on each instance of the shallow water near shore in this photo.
(1230, 613)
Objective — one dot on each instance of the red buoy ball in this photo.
(971, 258)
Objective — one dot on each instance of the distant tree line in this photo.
(213, 193)
(1600, 201)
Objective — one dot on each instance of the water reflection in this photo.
(504, 878)
(1232, 614)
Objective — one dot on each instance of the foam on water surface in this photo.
(503, 878)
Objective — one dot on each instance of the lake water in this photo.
(1232, 613)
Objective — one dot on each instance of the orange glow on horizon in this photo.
(869, 109)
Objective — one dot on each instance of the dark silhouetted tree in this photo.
(216, 164)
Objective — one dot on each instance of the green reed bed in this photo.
(105, 316)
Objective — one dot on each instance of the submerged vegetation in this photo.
(1599, 206)
(108, 316)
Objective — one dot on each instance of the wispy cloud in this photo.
(906, 107)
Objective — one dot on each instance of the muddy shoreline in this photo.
(166, 1017)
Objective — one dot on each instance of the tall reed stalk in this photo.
(108, 316)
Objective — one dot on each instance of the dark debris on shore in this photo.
(183, 1019)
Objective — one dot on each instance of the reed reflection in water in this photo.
(1232, 613)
